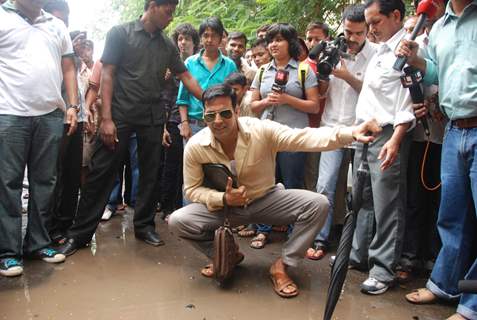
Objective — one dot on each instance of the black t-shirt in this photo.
(141, 61)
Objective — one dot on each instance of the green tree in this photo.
(248, 15)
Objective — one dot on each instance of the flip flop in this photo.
(421, 296)
(249, 231)
(208, 270)
(311, 253)
(259, 241)
(281, 281)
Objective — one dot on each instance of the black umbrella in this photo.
(340, 265)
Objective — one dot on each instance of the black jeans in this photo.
(421, 240)
(171, 186)
(100, 181)
(65, 199)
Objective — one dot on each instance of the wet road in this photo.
(122, 278)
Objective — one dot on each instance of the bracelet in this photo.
(186, 120)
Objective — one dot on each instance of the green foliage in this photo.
(248, 15)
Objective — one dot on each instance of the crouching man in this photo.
(248, 147)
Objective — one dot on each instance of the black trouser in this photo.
(171, 186)
(100, 181)
(421, 240)
(65, 199)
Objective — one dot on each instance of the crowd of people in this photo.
(154, 109)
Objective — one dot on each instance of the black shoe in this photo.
(67, 246)
(149, 237)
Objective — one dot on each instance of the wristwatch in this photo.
(75, 107)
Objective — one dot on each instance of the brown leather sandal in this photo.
(281, 281)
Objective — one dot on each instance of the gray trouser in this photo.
(305, 209)
(378, 238)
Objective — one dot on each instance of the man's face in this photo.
(248, 56)
(87, 54)
(383, 27)
(410, 24)
(162, 15)
(260, 56)
(185, 45)
(313, 37)
(355, 35)
(261, 34)
(210, 39)
(236, 47)
(239, 91)
(221, 127)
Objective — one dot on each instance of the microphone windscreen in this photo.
(428, 7)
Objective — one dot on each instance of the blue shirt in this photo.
(206, 78)
(451, 61)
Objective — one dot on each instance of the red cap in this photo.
(428, 7)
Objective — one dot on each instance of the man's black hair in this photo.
(214, 24)
(263, 28)
(288, 32)
(259, 43)
(354, 13)
(236, 78)
(159, 2)
(220, 90)
(57, 5)
(237, 35)
(386, 7)
(188, 30)
(319, 25)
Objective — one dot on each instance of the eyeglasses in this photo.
(224, 114)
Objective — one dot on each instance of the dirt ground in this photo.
(118, 277)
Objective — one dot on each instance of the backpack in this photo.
(302, 73)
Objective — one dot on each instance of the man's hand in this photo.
(366, 131)
(90, 114)
(420, 109)
(388, 154)
(185, 130)
(342, 72)
(235, 197)
(166, 139)
(408, 48)
(108, 133)
(71, 120)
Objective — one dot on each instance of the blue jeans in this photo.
(290, 172)
(330, 163)
(457, 219)
(113, 198)
(32, 142)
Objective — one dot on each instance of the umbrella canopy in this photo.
(340, 266)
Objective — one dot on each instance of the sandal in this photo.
(249, 231)
(238, 228)
(208, 270)
(281, 281)
(421, 296)
(259, 241)
(317, 253)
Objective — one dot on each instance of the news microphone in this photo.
(281, 80)
(467, 286)
(426, 9)
(411, 79)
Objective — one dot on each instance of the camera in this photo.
(328, 54)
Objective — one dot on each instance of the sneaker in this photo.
(10, 267)
(374, 287)
(49, 255)
(107, 214)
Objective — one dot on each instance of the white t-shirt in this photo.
(30, 63)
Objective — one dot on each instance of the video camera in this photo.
(328, 54)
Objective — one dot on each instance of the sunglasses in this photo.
(224, 114)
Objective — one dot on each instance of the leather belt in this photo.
(465, 123)
(200, 123)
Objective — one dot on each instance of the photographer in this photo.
(380, 225)
(344, 87)
(451, 61)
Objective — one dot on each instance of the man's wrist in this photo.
(75, 107)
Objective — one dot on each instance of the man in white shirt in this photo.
(35, 56)
(384, 98)
(341, 97)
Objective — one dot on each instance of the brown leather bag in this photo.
(225, 253)
(225, 247)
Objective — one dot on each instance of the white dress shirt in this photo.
(383, 97)
(341, 98)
